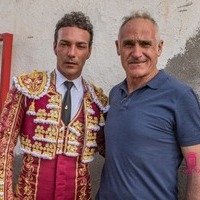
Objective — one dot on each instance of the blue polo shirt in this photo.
(144, 132)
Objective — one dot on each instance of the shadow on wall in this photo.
(186, 67)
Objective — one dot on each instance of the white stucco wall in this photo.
(33, 21)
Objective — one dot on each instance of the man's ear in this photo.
(117, 47)
(54, 48)
(90, 51)
(160, 47)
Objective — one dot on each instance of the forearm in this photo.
(193, 185)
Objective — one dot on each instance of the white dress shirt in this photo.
(77, 91)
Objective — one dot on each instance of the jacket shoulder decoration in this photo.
(34, 85)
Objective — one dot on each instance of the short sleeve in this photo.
(187, 116)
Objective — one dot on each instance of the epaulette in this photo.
(99, 97)
(33, 85)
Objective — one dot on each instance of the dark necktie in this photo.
(66, 104)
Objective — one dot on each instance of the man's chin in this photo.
(137, 72)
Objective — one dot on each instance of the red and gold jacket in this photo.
(55, 161)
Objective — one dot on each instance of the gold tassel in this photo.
(32, 107)
(102, 119)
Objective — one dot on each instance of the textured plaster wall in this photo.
(32, 22)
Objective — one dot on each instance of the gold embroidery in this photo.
(41, 114)
(83, 170)
(39, 132)
(37, 147)
(26, 186)
(8, 137)
(26, 143)
(60, 141)
(101, 96)
(72, 149)
(34, 83)
(102, 119)
(83, 183)
(78, 126)
(59, 148)
(53, 115)
(72, 137)
(54, 100)
(92, 120)
(47, 150)
(88, 153)
(32, 107)
(50, 134)
(89, 102)
(91, 138)
(83, 190)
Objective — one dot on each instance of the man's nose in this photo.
(136, 51)
(71, 51)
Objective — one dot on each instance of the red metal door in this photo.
(7, 40)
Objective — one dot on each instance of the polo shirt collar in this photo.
(154, 83)
(157, 81)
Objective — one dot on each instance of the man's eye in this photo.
(81, 46)
(128, 45)
(63, 44)
(145, 44)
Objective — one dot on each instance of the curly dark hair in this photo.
(75, 19)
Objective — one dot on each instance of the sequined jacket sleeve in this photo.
(10, 123)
